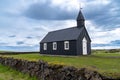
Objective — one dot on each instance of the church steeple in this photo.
(80, 20)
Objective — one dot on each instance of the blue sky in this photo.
(23, 23)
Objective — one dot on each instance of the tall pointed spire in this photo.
(80, 20)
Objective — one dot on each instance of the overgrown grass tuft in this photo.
(7, 73)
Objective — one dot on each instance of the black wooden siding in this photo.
(89, 48)
(75, 46)
(60, 48)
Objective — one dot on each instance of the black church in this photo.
(70, 41)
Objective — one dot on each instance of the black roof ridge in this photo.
(62, 29)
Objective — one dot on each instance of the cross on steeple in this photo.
(80, 6)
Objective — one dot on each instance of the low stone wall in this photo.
(43, 71)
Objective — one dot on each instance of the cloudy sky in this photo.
(23, 23)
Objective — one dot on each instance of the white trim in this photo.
(84, 43)
(45, 46)
(66, 45)
(54, 45)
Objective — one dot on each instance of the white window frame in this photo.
(65, 45)
(45, 46)
(54, 45)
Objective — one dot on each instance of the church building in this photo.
(70, 41)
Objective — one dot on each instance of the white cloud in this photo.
(102, 36)
(69, 5)
(24, 27)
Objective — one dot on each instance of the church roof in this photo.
(64, 34)
(80, 16)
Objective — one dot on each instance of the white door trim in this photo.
(84, 46)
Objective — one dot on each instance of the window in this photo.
(66, 45)
(54, 46)
(45, 46)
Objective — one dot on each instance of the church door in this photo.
(84, 43)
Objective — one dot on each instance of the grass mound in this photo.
(7, 73)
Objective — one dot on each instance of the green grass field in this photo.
(105, 63)
(7, 73)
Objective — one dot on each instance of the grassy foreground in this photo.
(106, 63)
(7, 73)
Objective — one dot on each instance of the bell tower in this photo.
(80, 20)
